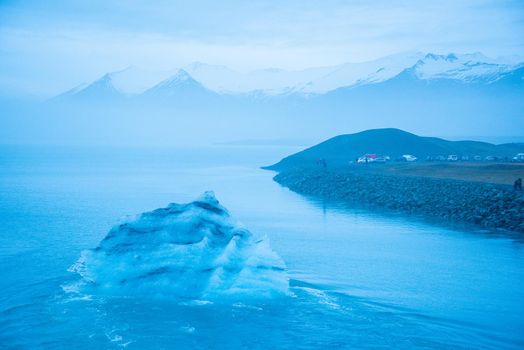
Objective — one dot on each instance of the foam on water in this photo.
(190, 251)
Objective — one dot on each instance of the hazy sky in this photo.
(49, 46)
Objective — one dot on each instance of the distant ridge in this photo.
(341, 149)
(442, 94)
(466, 68)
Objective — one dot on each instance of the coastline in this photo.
(485, 205)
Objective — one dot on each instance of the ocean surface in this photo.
(358, 279)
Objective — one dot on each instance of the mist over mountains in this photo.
(320, 80)
(430, 94)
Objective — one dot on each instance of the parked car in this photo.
(440, 158)
(452, 158)
(518, 158)
(477, 158)
(367, 158)
(464, 158)
(409, 157)
(381, 159)
(372, 158)
(491, 158)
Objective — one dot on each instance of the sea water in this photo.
(357, 279)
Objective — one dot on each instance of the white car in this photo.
(452, 158)
(409, 157)
(519, 157)
(367, 158)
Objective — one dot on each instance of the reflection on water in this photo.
(360, 279)
(341, 207)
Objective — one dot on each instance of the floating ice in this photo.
(192, 250)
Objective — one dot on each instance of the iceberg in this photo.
(190, 251)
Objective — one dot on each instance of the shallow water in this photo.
(359, 279)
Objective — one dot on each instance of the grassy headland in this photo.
(479, 193)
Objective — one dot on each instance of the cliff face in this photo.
(485, 205)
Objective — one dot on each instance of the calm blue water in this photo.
(359, 279)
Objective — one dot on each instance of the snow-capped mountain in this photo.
(181, 82)
(461, 67)
(220, 79)
(350, 74)
(129, 81)
(101, 88)
(180, 91)
(458, 94)
(271, 81)
(199, 79)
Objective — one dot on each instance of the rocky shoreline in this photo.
(481, 204)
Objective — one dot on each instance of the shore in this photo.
(484, 204)
(502, 173)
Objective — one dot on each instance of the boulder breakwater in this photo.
(482, 204)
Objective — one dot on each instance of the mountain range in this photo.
(466, 68)
(448, 95)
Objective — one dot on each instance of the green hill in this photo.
(342, 149)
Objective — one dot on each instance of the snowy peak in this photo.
(104, 83)
(459, 67)
(466, 68)
(353, 74)
(180, 86)
(102, 88)
(447, 58)
(182, 75)
(128, 81)
(180, 79)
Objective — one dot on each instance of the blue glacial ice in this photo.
(189, 251)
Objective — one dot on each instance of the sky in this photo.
(47, 47)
